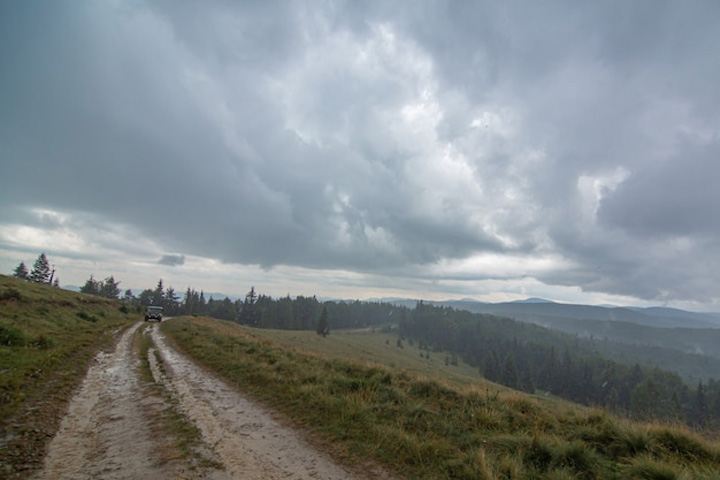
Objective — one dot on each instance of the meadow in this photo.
(364, 397)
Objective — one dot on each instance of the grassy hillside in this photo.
(364, 397)
(374, 347)
(47, 337)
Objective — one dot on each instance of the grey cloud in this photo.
(675, 198)
(172, 260)
(282, 133)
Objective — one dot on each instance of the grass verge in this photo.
(424, 427)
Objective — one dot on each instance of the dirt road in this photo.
(110, 429)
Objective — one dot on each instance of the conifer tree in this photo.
(109, 288)
(146, 297)
(248, 311)
(323, 327)
(188, 302)
(158, 294)
(41, 270)
(21, 272)
(129, 297)
(91, 287)
(509, 375)
(170, 301)
(699, 412)
(491, 366)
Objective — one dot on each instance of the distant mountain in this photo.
(666, 312)
(539, 310)
(533, 300)
(644, 330)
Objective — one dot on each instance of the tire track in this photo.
(250, 443)
(106, 433)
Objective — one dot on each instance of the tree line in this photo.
(532, 358)
(256, 310)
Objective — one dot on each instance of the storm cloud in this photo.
(172, 260)
(456, 142)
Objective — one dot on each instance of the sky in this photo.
(419, 149)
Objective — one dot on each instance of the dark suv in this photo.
(153, 312)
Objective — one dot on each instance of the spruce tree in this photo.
(158, 295)
(129, 297)
(248, 310)
(21, 272)
(699, 407)
(109, 288)
(201, 303)
(91, 287)
(509, 375)
(41, 270)
(171, 301)
(323, 327)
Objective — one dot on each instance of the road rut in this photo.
(107, 432)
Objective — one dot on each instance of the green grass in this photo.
(364, 398)
(377, 348)
(47, 337)
(184, 440)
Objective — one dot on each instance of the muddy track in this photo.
(108, 431)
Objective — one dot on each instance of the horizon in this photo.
(219, 295)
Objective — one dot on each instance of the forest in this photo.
(263, 311)
(535, 359)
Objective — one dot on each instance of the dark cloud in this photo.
(379, 137)
(674, 198)
(172, 260)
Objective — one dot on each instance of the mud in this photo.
(107, 432)
(249, 441)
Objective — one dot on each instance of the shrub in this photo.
(577, 456)
(11, 337)
(683, 444)
(646, 468)
(84, 316)
(44, 343)
(10, 294)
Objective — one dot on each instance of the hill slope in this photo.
(47, 337)
(362, 395)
